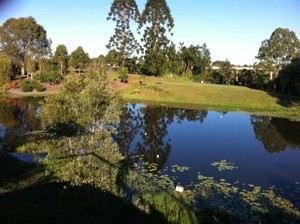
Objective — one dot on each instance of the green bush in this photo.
(53, 78)
(123, 74)
(28, 85)
(38, 87)
(6, 70)
(4, 88)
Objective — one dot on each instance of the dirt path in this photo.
(49, 89)
(55, 88)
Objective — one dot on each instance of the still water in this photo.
(266, 150)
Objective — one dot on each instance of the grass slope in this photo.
(189, 94)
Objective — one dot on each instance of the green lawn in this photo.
(184, 93)
(189, 94)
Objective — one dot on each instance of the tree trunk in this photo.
(271, 75)
(61, 68)
(23, 68)
(124, 24)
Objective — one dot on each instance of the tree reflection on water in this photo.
(276, 134)
(143, 131)
(18, 117)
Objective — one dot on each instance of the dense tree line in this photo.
(148, 50)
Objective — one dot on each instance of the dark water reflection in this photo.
(17, 117)
(265, 149)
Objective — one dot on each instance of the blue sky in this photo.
(232, 29)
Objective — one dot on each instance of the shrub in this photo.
(52, 78)
(38, 87)
(28, 85)
(15, 84)
(6, 69)
(123, 74)
(4, 88)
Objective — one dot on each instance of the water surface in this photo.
(266, 150)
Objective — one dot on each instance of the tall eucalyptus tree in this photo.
(24, 41)
(61, 58)
(277, 51)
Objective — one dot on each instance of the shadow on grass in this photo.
(46, 201)
(285, 100)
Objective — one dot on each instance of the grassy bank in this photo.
(183, 93)
(188, 94)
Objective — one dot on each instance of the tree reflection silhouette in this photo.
(18, 116)
(143, 131)
(276, 134)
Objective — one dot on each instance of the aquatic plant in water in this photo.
(224, 165)
(226, 202)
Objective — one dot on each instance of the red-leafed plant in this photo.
(15, 84)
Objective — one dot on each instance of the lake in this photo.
(263, 150)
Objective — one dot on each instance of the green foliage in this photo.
(123, 74)
(256, 79)
(123, 40)
(4, 88)
(158, 21)
(102, 71)
(61, 58)
(23, 39)
(279, 49)
(155, 88)
(173, 207)
(155, 64)
(132, 65)
(39, 87)
(6, 70)
(81, 119)
(288, 80)
(224, 75)
(52, 78)
(113, 58)
(79, 58)
(195, 57)
(28, 85)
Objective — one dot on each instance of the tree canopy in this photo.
(288, 80)
(158, 21)
(277, 51)
(6, 69)
(123, 40)
(80, 120)
(61, 57)
(24, 40)
(79, 58)
(196, 58)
